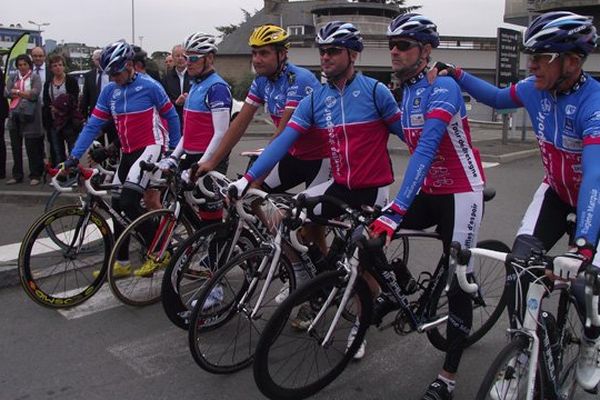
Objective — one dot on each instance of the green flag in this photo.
(19, 47)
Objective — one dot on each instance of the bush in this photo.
(240, 87)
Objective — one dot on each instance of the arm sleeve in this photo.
(588, 201)
(390, 112)
(100, 116)
(273, 153)
(219, 103)
(167, 111)
(489, 94)
(419, 163)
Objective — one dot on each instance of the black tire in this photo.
(509, 371)
(569, 323)
(223, 333)
(141, 291)
(286, 358)
(488, 304)
(194, 263)
(54, 272)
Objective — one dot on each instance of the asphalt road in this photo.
(119, 352)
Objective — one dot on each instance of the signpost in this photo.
(507, 68)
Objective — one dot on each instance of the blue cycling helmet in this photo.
(415, 26)
(115, 56)
(338, 33)
(560, 32)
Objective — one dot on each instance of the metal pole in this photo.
(132, 22)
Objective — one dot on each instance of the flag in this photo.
(19, 47)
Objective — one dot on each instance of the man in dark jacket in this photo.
(3, 116)
(94, 81)
(177, 81)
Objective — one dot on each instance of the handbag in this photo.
(25, 111)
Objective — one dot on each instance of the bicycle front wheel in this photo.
(60, 254)
(488, 303)
(138, 283)
(507, 377)
(294, 364)
(234, 307)
(194, 263)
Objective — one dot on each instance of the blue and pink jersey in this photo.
(136, 109)
(206, 95)
(294, 83)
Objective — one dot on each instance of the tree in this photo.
(228, 29)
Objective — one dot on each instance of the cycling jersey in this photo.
(566, 125)
(211, 94)
(356, 121)
(437, 133)
(135, 108)
(292, 85)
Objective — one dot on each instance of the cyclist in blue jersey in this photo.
(356, 113)
(563, 103)
(206, 114)
(279, 85)
(135, 102)
(443, 182)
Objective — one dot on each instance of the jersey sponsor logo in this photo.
(292, 93)
(417, 120)
(532, 304)
(330, 101)
(419, 91)
(572, 143)
(217, 104)
(541, 118)
(116, 93)
(596, 116)
(356, 93)
(439, 90)
(308, 90)
(570, 109)
(465, 150)
(416, 103)
(545, 105)
(138, 88)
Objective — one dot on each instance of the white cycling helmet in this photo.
(201, 43)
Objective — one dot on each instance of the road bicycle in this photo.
(291, 364)
(539, 360)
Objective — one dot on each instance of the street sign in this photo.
(507, 59)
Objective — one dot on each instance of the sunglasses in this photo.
(193, 57)
(330, 51)
(543, 58)
(402, 45)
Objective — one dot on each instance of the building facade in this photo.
(11, 33)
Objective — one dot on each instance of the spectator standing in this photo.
(25, 112)
(177, 81)
(169, 63)
(94, 81)
(3, 115)
(59, 109)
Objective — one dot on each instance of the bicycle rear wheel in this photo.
(56, 269)
(147, 260)
(507, 377)
(232, 310)
(292, 364)
(194, 263)
(488, 303)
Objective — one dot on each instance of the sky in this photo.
(163, 23)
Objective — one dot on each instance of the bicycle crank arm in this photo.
(433, 324)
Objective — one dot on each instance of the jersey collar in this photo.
(204, 76)
(582, 79)
(417, 77)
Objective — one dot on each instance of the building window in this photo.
(295, 30)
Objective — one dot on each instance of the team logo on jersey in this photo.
(116, 93)
(417, 120)
(356, 93)
(330, 101)
(416, 102)
(596, 116)
(546, 105)
(570, 109)
(308, 90)
(419, 91)
(138, 88)
(439, 90)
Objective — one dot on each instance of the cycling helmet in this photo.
(115, 56)
(415, 26)
(201, 43)
(340, 33)
(560, 32)
(268, 34)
